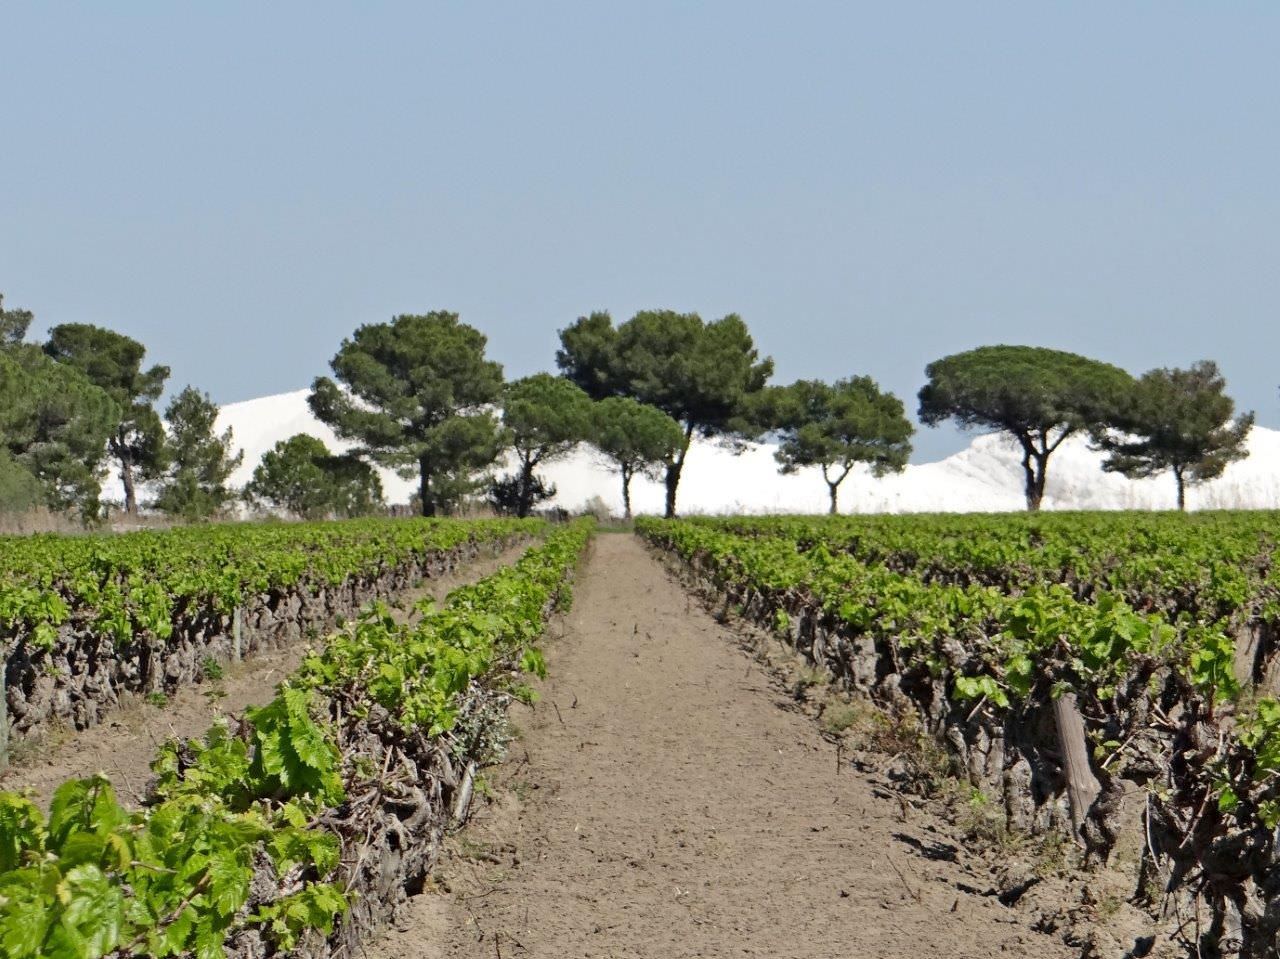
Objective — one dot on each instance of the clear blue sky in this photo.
(871, 186)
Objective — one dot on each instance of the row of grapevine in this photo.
(1211, 565)
(1000, 657)
(299, 825)
(85, 619)
(124, 585)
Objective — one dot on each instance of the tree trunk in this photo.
(1036, 496)
(1034, 461)
(833, 486)
(626, 493)
(672, 480)
(1182, 488)
(1028, 474)
(126, 479)
(673, 473)
(1082, 785)
(524, 502)
(119, 448)
(424, 487)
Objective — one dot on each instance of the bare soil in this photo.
(666, 799)
(124, 747)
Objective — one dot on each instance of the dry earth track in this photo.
(660, 803)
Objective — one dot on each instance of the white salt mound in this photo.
(985, 477)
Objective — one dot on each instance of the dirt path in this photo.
(124, 746)
(660, 804)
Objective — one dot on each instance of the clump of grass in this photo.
(1053, 853)
(27, 750)
(1109, 907)
(806, 678)
(475, 850)
(211, 669)
(813, 676)
(837, 719)
(157, 698)
(982, 819)
(929, 769)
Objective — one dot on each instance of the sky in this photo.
(871, 187)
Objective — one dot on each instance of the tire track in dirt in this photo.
(124, 746)
(660, 804)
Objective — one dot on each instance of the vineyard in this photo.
(1108, 680)
(1071, 664)
(86, 619)
(300, 823)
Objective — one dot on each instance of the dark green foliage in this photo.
(1038, 396)
(510, 494)
(836, 425)
(13, 324)
(545, 416)
(290, 477)
(416, 394)
(113, 362)
(588, 355)
(355, 487)
(1178, 421)
(19, 489)
(698, 373)
(301, 476)
(200, 461)
(54, 424)
(635, 438)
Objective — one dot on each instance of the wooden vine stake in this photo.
(4, 712)
(462, 804)
(1246, 655)
(1082, 785)
(237, 618)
